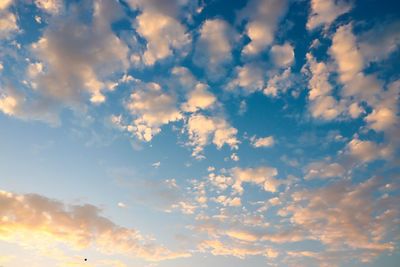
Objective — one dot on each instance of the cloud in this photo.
(279, 83)
(324, 12)
(150, 108)
(8, 21)
(384, 115)
(50, 6)
(213, 49)
(29, 216)
(322, 104)
(199, 98)
(344, 50)
(322, 170)
(343, 215)
(380, 42)
(366, 151)
(267, 141)
(217, 247)
(5, 4)
(77, 57)
(249, 77)
(228, 201)
(350, 64)
(164, 35)
(283, 55)
(14, 103)
(261, 176)
(205, 129)
(263, 17)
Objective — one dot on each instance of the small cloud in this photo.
(121, 205)
(267, 141)
(156, 164)
(234, 157)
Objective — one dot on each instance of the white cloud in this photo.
(227, 201)
(235, 157)
(121, 205)
(366, 151)
(279, 83)
(380, 42)
(204, 129)
(156, 165)
(267, 141)
(324, 12)
(4, 4)
(384, 115)
(8, 24)
(250, 77)
(222, 182)
(9, 104)
(322, 104)
(344, 50)
(263, 16)
(50, 6)
(76, 65)
(342, 215)
(213, 50)
(78, 226)
(164, 35)
(283, 55)
(151, 108)
(199, 98)
(321, 169)
(261, 176)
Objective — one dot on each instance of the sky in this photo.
(176, 133)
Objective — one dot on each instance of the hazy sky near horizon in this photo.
(176, 133)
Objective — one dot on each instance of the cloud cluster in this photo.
(213, 50)
(24, 217)
(324, 12)
(262, 19)
(204, 129)
(151, 108)
(8, 20)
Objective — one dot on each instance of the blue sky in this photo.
(199, 133)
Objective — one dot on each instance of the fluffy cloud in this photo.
(283, 55)
(78, 58)
(384, 115)
(267, 141)
(50, 6)
(213, 50)
(5, 4)
(321, 169)
(380, 42)
(199, 98)
(343, 215)
(217, 247)
(262, 176)
(151, 108)
(10, 103)
(30, 216)
(322, 103)
(366, 151)
(8, 20)
(14, 103)
(279, 83)
(344, 50)
(351, 63)
(263, 17)
(164, 34)
(203, 129)
(324, 12)
(249, 77)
